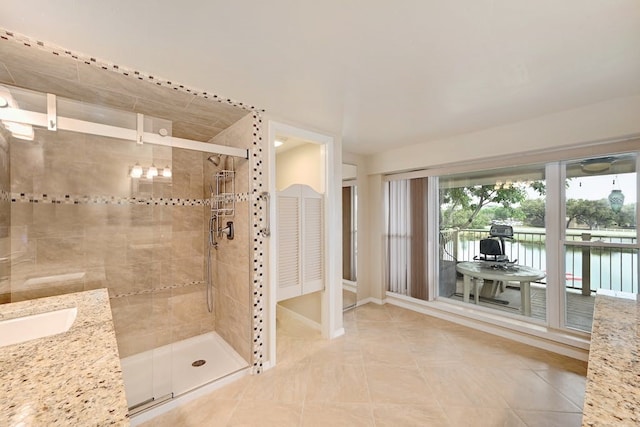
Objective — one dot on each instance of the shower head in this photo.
(215, 159)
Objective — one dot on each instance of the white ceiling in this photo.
(382, 74)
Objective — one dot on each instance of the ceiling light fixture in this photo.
(597, 165)
(277, 143)
(166, 172)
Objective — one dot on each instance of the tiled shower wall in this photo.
(231, 261)
(79, 222)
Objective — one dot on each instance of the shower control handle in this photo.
(228, 230)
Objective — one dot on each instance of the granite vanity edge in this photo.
(73, 378)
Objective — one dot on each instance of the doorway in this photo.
(308, 160)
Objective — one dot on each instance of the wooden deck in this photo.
(579, 307)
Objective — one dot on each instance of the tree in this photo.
(626, 217)
(472, 199)
(593, 213)
(534, 212)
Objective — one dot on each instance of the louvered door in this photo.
(300, 241)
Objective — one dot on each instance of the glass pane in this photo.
(492, 239)
(601, 208)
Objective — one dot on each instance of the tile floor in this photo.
(395, 367)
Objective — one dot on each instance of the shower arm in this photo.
(266, 230)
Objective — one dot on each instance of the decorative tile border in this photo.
(74, 199)
(257, 241)
(150, 291)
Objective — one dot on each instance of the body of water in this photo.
(611, 268)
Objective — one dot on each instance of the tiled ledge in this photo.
(73, 378)
(612, 394)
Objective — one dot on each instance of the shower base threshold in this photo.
(175, 369)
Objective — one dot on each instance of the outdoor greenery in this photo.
(479, 206)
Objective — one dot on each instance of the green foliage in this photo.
(626, 217)
(592, 213)
(464, 204)
(478, 206)
(533, 211)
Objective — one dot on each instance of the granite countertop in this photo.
(612, 394)
(70, 379)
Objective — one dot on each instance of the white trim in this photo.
(555, 211)
(433, 237)
(373, 300)
(538, 336)
(350, 285)
(338, 333)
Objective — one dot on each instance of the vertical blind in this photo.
(406, 237)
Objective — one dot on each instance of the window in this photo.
(564, 227)
(600, 238)
(511, 201)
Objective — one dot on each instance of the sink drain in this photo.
(198, 363)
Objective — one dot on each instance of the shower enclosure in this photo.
(83, 211)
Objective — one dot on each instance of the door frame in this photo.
(331, 296)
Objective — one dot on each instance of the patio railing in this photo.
(587, 268)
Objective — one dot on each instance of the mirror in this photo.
(349, 236)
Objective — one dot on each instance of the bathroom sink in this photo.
(26, 328)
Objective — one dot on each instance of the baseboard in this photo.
(531, 334)
(370, 299)
(299, 317)
(349, 286)
(337, 333)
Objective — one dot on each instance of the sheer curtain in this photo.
(406, 238)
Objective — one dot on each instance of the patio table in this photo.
(474, 271)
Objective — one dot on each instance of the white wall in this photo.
(301, 165)
(596, 122)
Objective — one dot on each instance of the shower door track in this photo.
(148, 404)
(53, 122)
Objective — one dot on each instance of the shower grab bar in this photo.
(266, 230)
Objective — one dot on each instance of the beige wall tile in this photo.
(13, 54)
(233, 323)
(119, 83)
